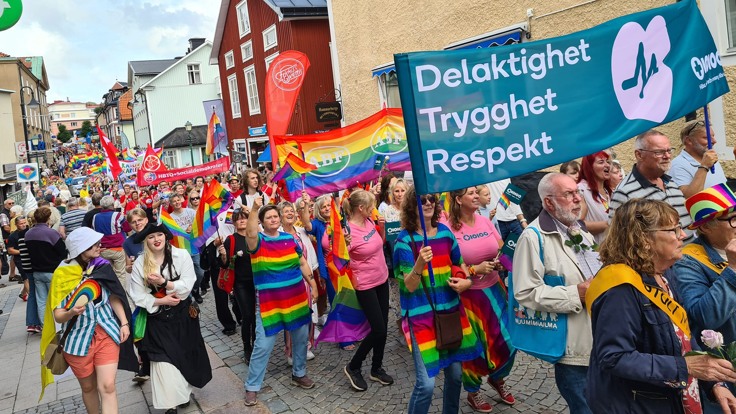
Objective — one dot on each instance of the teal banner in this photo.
(477, 116)
(392, 230)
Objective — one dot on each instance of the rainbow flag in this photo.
(294, 167)
(215, 200)
(181, 238)
(346, 155)
(216, 138)
(445, 201)
(346, 322)
(217, 197)
(504, 201)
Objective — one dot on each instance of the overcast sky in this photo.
(86, 44)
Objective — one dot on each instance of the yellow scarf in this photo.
(66, 277)
(618, 274)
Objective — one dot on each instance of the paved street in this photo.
(531, 381)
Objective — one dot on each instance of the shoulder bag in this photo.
(540, 334)
(226, 277)
(448, 328)
(53, 358)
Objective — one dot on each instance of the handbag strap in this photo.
(68, 329)
(232, 246)
(421, 279)
(541, 247)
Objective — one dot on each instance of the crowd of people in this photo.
(647, 261)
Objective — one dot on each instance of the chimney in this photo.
(195, 42)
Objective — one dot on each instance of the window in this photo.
(232, 84)
(254, 104)
(388, 84)
(74, 114)
(169, 159)
(193, 73)
(270, 59)
(731, 22)
(243, 21)
(117, 131)
(73, 124)
(114, 113)
(246, 50)
(229, 60)
(269, 38)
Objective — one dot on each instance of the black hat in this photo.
(150, 229)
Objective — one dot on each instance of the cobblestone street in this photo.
(531, 381)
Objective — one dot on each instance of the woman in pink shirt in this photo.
(486, 301)
(370, 279)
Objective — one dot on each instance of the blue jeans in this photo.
(421, 397)
(508, 227)
(31, 307)
(262, 352)
(197, 271)
(42, 281)
(571, 381)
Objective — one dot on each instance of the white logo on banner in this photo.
(641, 80)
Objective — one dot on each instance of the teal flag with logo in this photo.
(481, 115)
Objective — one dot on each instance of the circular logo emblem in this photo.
(149, 177)
(330, 160)
(152, 162)
(287, 74)
(389, 139)
(10, 11)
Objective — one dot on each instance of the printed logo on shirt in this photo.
(369, 235)
(480, 235)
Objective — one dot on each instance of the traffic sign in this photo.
(10, 11)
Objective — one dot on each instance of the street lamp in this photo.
(188, 127)
(32, 104)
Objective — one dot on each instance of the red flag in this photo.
(283, 82)
(110, 150)
(152, 161)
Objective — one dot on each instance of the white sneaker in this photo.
(290, 361)
(310, 355)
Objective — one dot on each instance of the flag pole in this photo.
(420, 206)
(707, 134)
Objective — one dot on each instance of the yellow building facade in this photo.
(366, 34)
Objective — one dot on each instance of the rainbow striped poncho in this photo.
(445, 252)
(282, 296)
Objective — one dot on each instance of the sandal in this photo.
(350, 347)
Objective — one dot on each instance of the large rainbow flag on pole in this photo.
(215, 200)
(346, 322)
(346, 155)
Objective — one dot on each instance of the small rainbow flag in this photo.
(215, 200)
(293, 168)
(181, 238)
(87, 291)
(504, 201)
(445, 201)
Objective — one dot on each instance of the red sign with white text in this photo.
(150, 177)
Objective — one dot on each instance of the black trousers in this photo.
(244, 292)
(374, 302)
(221, 297)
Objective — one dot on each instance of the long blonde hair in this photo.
(150, 266)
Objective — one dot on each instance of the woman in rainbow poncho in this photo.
(410, 267)
(86, 293)
(279, 271)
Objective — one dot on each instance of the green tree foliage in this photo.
(64, 134)
(86, 128)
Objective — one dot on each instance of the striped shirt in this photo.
(277, 276)
(100, 313)
(635, 185)
(72, 220)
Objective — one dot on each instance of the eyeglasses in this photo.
(660, 153)
(193, 198)
(570, 195)
(431, 198)
(731, 221)
(677, 230)
(693, 126)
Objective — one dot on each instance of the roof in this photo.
(35, 64)
(284, 9)
(179, 137)
(150, 67)
(119, 85)
(176, 62)
(125, 112)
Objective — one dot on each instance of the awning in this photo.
(265, 155)
(505, 38)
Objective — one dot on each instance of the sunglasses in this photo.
(693, 126)
(431, 198)
(193, 198)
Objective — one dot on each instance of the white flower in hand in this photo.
(240, 253)
(712, 339)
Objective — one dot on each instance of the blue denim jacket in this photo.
(709, 299)
(636, 365)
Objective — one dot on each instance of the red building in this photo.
(249, 36)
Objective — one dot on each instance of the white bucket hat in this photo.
(81, 239)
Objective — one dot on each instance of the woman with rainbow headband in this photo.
(640, 361)
(411, 257)
(485, 302)
(279, 268)
(86, 293)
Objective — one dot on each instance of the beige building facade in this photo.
(365, 36)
